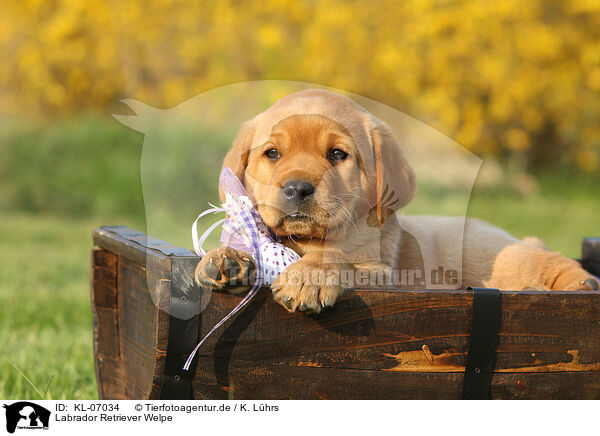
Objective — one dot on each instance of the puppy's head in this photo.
(315, 163)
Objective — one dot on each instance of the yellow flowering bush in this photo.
(504, 77)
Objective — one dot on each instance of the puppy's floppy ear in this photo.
(395, 180)
(237, 157)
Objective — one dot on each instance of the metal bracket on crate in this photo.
(590, 255)
(481, 355)
(184, 329)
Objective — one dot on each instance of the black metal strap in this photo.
(590, 255)
(187, 301)
(481, 356)
(177, 383)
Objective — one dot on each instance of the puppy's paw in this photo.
(590, 284)
(226, 268)
(308, 287)
(576, 279)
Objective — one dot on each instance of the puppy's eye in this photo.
(336, 155)
(272, 154)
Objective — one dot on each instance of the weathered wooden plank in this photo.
(104, 278)
(137, 325)
(399, 332)
(537, 329)
(248, 380)
(132, 250)
(104, 266)
(161, 323)
(107, 333)
(112, 384)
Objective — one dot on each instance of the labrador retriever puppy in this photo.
(327, 177)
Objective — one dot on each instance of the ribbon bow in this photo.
(243, 229)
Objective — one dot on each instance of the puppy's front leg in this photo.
(313, 283)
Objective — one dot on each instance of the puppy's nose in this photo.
(298, 190)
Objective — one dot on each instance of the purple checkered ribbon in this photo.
(249, 226)
(243, 229)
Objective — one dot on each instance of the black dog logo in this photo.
(28, 415)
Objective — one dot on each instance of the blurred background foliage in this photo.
(501, 77)
(516, 82)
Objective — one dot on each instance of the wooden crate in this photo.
(374, 344)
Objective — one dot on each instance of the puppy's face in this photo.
(315, 164)
(308, 178)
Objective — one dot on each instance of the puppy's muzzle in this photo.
(297, 191)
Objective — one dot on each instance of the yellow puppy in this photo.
(327, 177)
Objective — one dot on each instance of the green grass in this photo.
(45, 315)
(566, 208)
(59, 181)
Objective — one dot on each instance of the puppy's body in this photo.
(328, 178)
(491, 257)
